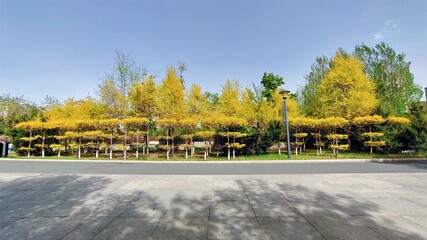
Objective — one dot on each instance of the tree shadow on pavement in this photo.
(128, 207)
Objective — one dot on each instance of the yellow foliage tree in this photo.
(230, 124)
(398, 120)
(371, 121)
(300, 127)
(207, 137)
(171, 102)
(198, 104)
(229, 100)
(143, 97)
(333, 124)
(169, 125)
(188, 125)
(138, 129)
(346, 91)
(109, 126)
(28, 127)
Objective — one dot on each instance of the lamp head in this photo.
(284, 93)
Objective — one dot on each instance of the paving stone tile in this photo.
(316, 207)
(229, 209)
(265, 196)
(104, 209)
(145, 209)
(190, 208)
(406, 193)
(421, 201)
(288, 228)
(227, 186)
(6, 193)
(181, 228)
(197, 195)
(138, 184)
(129, 228)
(224, 195)
(89, 227)
(342, 228)
(272, 207)
(168, 185)
(235, 228)
(38, 228)
(359, 207)
(197, 185)
(200, 178)
(420, 220)
(370, 193)
(394, 227)
(7, 220)
(401, 206)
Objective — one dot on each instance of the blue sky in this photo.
(64, 48)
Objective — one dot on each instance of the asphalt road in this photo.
(209, 168)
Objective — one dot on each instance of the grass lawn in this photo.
(307, 155)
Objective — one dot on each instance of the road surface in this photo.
(211, 168)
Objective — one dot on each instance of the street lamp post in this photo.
(284, 94)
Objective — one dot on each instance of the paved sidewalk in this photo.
(311, 206)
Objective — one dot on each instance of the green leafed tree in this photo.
(307, 94)
(415, 134)
(126, 72)
(395, 86)
(270, 83)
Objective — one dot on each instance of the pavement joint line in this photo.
(301, 214)
(252, 207)
(218, 162)
(108, 224)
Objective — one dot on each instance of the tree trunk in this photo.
(147, 141)
(111, 148)
(43, 146)
(186, 153)
(59, 153)
(228, 156)
(29, 145)
(97, 153)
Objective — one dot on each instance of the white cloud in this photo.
(388, 29)
(378, 35)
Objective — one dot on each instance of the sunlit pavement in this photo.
(293, 206)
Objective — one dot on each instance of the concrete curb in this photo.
(220, 162)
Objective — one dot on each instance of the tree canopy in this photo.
(346, 91)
